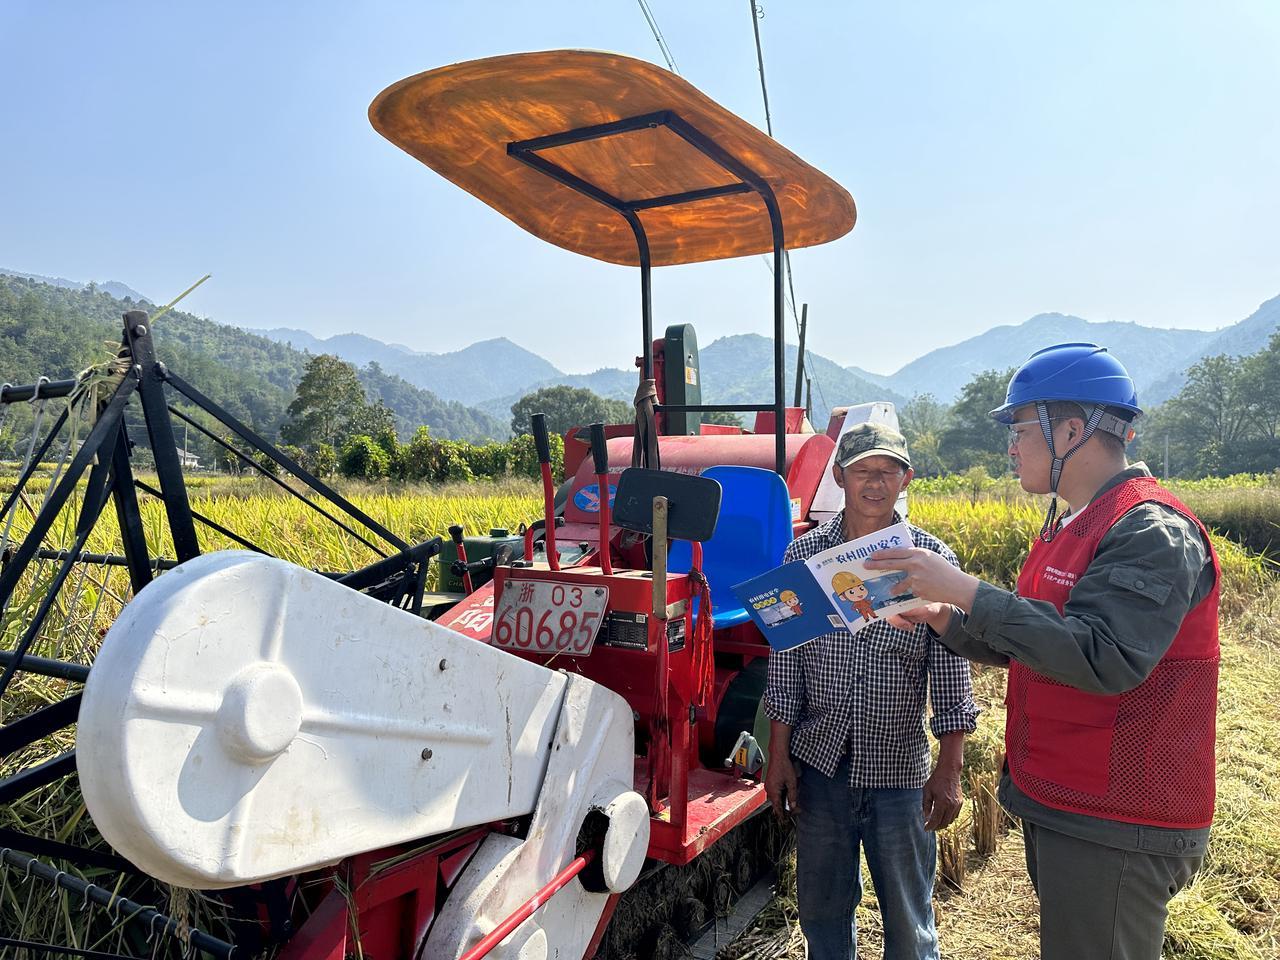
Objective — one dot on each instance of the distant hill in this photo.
(1149, 353)
(737, 369)
(493, 374)
(878, 379)
(56, 331)
(112, 287)
(484, 371)
(1248, 336)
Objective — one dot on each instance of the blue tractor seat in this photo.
(750, 537)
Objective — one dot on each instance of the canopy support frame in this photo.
(527, 152)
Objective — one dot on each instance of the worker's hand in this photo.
(942, 797)
(781, 784)
(936, 615)
(929, 576)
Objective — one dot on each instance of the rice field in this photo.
(985, 906)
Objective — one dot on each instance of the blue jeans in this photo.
(834, 821)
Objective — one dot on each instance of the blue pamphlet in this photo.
(833, 590)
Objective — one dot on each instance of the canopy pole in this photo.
(646, 294)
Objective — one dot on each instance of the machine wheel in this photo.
(723, 895)
(744, 871)
(689, 917)
(661, 942)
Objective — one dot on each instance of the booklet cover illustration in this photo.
(832, 590)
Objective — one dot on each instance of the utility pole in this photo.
(804, 326)
(808, 399)
(1166, 457)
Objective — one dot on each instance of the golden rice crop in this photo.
(1230, 911)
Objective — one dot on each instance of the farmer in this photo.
(1112, 646)
(848, 753)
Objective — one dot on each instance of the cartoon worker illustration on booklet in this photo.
(792, 602)
(852, 590)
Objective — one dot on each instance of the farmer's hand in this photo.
(780, 784)
(929, 576)
(936, 615)
(942, 796)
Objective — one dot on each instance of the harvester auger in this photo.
(342, 777)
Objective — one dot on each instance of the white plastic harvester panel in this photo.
(247, 719)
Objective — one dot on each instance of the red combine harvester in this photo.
(565, 762)
(624, 162)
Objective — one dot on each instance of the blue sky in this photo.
(1113, 160)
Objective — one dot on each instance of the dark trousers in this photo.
(834, 824)
(1098, 902)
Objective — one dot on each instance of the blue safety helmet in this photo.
(1082, 372)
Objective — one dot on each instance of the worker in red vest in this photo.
(1111, 640)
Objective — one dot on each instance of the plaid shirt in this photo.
(865, 694)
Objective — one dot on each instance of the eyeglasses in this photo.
(1019, 428)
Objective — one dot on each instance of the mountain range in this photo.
(1157, 358)
(112, 287)
(57, 330)
(492, 374)
(468, 393)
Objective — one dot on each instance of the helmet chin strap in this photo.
(1051, 520)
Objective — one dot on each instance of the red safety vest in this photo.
(1144, 756)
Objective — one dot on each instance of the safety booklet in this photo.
(833, 590)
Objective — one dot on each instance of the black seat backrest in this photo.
(693, 502)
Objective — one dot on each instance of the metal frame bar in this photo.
(58, 669)
(41, 775)
(39, 723)
(36, 458)
(253, 464)
(126, 910)
(164, 448)
(40, 847)
(105, 428)
(251, 438)
(44, 388)
(526, 151)
(212, 524)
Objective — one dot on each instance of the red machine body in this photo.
(807, 457)
(700, 800)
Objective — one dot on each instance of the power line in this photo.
(757, 14)
(657, 35)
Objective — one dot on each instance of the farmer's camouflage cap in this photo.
(871, 440)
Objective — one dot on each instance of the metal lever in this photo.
(600, 458)
(542, 444)
(455, 534)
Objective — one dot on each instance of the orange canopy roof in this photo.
(459, 120)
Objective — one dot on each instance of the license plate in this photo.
(545, 616)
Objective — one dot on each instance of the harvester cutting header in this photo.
(505, 776)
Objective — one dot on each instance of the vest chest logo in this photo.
(1064, 578)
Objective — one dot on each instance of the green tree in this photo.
(726, 417)
(1260, 382)
(328, 405)
(567, 407)
(972, 438)
(924, 420)
(325, 460)
(1223, 421)
(363, 458)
